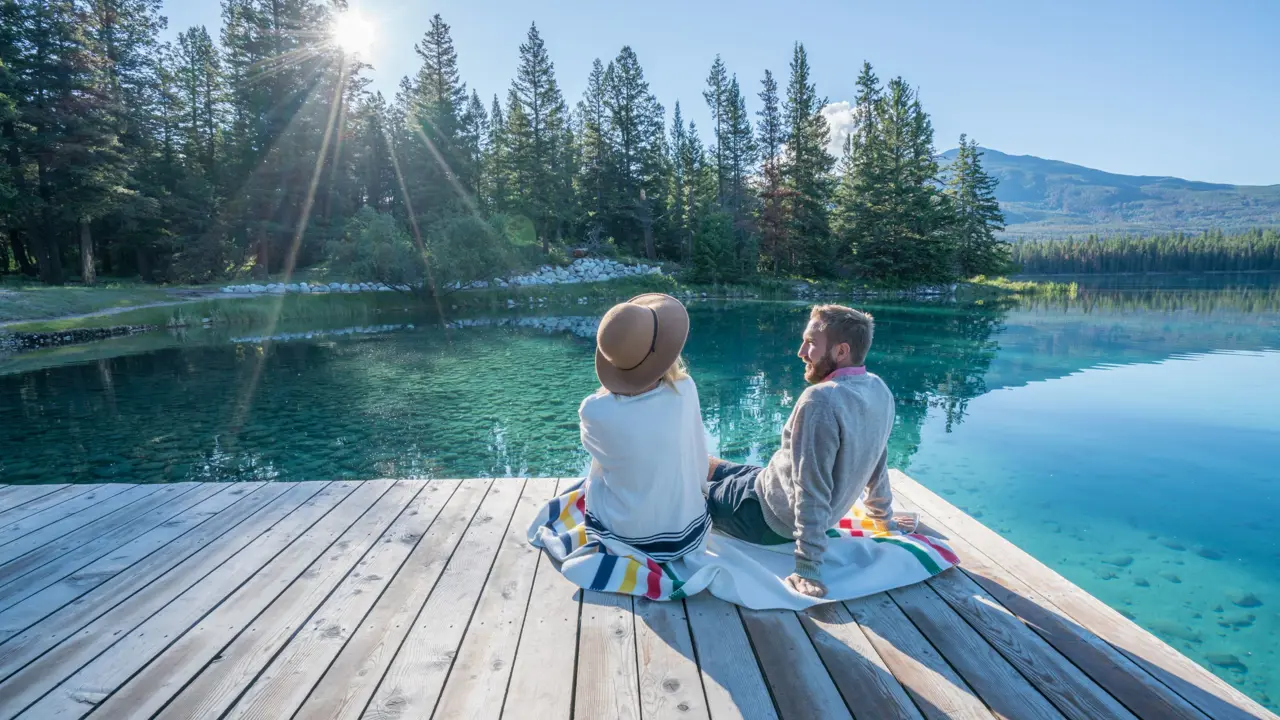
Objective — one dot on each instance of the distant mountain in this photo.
(1049, 198)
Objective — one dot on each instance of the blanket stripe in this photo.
(596, 561)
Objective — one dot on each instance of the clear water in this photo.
(1128, 438)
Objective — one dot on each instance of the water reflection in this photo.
(498, 395)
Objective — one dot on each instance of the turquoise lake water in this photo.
(1129, 438)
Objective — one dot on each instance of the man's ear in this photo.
(845, 349)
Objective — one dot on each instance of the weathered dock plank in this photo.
(423, 599)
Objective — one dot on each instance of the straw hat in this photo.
(638, 341)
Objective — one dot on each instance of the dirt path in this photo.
(183, 297)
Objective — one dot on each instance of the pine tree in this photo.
(472, 135)
(69, 145)
(437, 160)
(806, 169)
(771, 223)
(199, 75)
(536, 122)
(696, 187)
(636, 138)
(860, 196)
(597, 157)
(740, 157)
(495, 192)
(13, 192)
(978, 217)
(718, 101)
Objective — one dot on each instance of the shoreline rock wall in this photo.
(583, 270)
(37, 340)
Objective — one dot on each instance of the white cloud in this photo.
(841, 120)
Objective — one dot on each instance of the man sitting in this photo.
(834, 448)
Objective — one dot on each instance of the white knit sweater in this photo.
(648, 469)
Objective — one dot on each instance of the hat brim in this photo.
(673, 331)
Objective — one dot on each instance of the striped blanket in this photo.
(864, 557)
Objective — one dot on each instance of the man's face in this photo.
(819, 360)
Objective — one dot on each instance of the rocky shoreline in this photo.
(37, 340)
(582, 270)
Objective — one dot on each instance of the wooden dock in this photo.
(415, 599)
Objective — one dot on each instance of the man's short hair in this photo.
(841, 324)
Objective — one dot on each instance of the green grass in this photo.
(985, 286)
(238, 311)
(31, 301)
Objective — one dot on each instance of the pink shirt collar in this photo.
(846, 372)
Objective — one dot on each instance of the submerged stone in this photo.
(1237, 620)
(1141, 582)
(1209, 553)
(1227, 661)
(1245, 600)
(1173, 544)
(1171, 577)
(1176, 630)
(1119, 560)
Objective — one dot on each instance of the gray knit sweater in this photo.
(833, 449)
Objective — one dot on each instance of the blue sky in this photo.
(1190, 89)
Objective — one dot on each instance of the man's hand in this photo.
(712, 463)
(805, 586)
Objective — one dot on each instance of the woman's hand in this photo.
(805, 586)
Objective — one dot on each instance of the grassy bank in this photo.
(982, 287)
(34, 301)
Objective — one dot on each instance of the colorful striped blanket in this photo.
(864, 557)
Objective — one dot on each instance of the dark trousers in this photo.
(735, 507)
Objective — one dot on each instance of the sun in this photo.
(353, 33)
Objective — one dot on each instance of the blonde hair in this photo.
(677, 372)
(674, 374)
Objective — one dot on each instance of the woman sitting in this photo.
(644, 432)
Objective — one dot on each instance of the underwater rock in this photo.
(1171, 577)
(1227, 661)
(1172, 544)
(1105, 574)
(1245, 600)
(1141, 582)
(1208, 553)
(1174, 629)
(1237, 620)
(1126, 614)
(1118, 560)
(1217, 608)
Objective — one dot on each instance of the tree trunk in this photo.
(20, 254)
(260, 267)
(143, 261)
(4, 256)
(646, 222)
(87, 274)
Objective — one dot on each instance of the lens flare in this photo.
(353, 33)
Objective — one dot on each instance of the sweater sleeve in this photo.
(699, 439)
(589, 430)
(877, 498)
(815, 440)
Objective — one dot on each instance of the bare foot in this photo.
(906, 522)
(805, 586)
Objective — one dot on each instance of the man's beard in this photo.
(818, 371)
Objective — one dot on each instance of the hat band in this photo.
(653, 345)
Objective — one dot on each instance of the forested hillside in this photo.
(258, 147)
(1254, 250)
(1048, 198)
